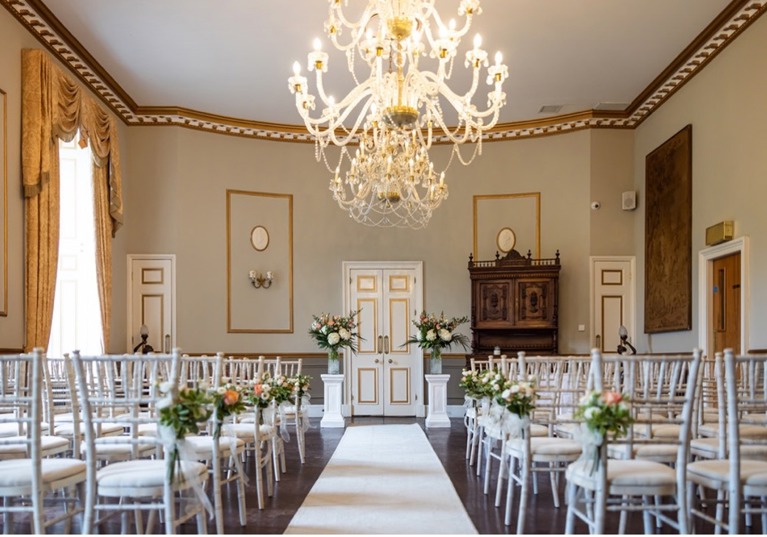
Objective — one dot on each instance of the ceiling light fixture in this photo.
(398, 112)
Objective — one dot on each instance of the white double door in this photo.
(386, 373)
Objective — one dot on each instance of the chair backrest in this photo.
(201, 370)
(746, 389)
(661, 392)
(21, 381)
(140, 376)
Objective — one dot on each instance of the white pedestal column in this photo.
(437, 413)
(334, 395)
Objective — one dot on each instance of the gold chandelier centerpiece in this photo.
(396, 114)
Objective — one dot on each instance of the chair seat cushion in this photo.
(203, 445)
(18, 472)
(125, 478)
(625, 475)
(12, 429)
(719, 470)
(49, 444)
(247, 430)
(548, 447)
(107, 429)
(653, 452)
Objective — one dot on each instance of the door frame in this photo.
(706, 280)
(593, 260)
(131, 258)
(417, 267)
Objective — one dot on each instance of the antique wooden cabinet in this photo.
(514, 303)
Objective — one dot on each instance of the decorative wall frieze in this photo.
(48, 30)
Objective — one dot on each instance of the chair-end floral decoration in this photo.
(602, 414)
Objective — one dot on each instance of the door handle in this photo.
(386, 344)
(379, 349)
(391, 361)
(599, 340)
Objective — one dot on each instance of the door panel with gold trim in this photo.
(382, 376)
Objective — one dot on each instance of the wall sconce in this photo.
(259, 280)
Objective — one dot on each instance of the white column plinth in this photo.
(334, 396)
(437, 412)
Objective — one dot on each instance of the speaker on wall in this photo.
(629, 200)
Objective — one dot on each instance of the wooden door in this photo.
(385, 372)
(613, 302)
(152, 300)
(725, 298)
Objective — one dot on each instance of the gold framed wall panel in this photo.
(263, 310)
(520, 212)
(4, 203)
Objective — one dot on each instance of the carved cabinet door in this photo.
(494, 304)
(535, 303)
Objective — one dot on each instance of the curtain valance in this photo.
(56, 107)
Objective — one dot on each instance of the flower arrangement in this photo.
(332, 332)
(181, 411)
(227, 400)
(519, 398)
(605, 412)
(184, 409)
(259, 392)
(300, 384)
(470, 382)
(492, 384)
(437, 333)
(281, 390)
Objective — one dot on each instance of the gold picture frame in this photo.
(483, 205)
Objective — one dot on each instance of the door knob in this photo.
(391, 361)
(377, 360)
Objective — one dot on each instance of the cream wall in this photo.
(726, 107)
(179, 180)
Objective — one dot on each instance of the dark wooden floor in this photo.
(449, 445)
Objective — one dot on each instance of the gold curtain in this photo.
(54, 107)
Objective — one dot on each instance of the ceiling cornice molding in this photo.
(41, 23)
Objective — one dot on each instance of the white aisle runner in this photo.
(383, 479)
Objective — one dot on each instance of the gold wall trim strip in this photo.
(48, 30)
(4, 194)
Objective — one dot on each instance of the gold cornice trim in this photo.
(40, 22)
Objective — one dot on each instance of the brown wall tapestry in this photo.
(668, 235)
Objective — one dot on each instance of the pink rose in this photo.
(613, 398)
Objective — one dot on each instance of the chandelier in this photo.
(399, 111)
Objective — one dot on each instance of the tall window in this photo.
(76, 307)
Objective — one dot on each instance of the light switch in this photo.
(581, 328)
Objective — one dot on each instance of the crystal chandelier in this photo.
(398, 112)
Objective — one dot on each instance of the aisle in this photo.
(383, 479)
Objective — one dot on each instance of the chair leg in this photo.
(570, 492)
(504, 469)
(488, 465)
(217, 500)
(510, 486)
(553, 479)
(646, 516)
(523, 494)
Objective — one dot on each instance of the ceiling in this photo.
(226, 62)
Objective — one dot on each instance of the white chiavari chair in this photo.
(26, 482)
(137, 485)
(224, 455)
(526, 455)
(258, 430)
(637, 484)
(739, 473)
(295, 412)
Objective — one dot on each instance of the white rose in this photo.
(166, 386)
(515, 388)
(430, 335)
(165, 402)
(592, 412)
(333, 338)
(221, 390)
(445, 335)
(344, 333)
